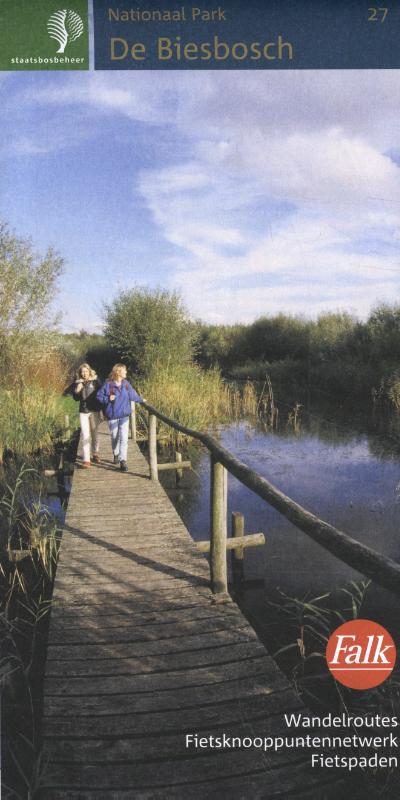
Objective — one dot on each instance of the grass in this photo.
(29, 540)
(198, 399)
(30, 420)
(68, 405)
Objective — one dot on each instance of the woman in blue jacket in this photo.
(116, 396)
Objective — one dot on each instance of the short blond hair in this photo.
(116, 371)
(92, 374)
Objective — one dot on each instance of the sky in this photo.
(251, 192)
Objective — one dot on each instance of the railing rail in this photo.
(360, 557)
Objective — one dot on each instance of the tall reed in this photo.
(197, 398)
(30, 419)
(28, 551)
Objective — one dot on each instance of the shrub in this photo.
(27, 287)
(146, 327)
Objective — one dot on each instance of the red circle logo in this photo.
(361, 654)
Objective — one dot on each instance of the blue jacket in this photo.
(121, 406)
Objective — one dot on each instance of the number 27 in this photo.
(377, 14)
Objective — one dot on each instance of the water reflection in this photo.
(348, 473)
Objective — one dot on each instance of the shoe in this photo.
(86, 464)
(96, 458)
(123, 466)
(116, 459)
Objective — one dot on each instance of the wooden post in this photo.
(153, 447)
(132, 422)
(67, 431)
(238, 552)
(219, 496)
(179, 472)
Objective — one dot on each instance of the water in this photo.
(347, 472)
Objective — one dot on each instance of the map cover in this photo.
(210, 195)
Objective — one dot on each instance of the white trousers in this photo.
(89, 424)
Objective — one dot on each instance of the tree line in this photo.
(151, 331)
(336, 353)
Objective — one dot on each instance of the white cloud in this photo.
(340, 191)
(278, 178)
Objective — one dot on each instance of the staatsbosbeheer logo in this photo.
(44, 34)
(64, 26)
(361, 654)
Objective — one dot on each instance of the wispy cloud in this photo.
(269, 190)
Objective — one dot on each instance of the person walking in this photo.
(85, 389)
(116, 396)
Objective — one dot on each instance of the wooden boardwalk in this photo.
(139, 656)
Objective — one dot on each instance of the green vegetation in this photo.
(34, 373)
(88, 347)
(187, 393)
(151, 332)
(30, 420)
(29, 540)
(337, 356)
(148, 329)
(27, 283)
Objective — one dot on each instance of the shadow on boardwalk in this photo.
(139, 658)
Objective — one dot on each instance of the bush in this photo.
(147, 327)
(27, 287)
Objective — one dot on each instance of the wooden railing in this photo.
(360, 557)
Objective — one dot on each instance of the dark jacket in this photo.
(121, 406)
(87, 396)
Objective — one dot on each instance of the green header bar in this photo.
(43, 34)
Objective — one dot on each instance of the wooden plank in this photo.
(161, 746)
(103, 705)
(229, 654)
(138, 655)
(237, 788)
(143, 633)
(177, 644)
(251, 708)
(164, 681)
(137, 619)
(163, 599)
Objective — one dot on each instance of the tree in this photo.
(383, 332)
(277, 338)
(332, 336)
(149, 329)
(27, 287)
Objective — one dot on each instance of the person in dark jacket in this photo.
(85, 389)
(116, 396)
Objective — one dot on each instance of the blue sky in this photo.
(249, 192)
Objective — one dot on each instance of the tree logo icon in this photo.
(64, 26)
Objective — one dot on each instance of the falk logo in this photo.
(361, 654)
(64, 26)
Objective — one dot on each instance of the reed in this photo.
(29, 540)
(31, 418)
(197, 398)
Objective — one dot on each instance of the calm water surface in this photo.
(347, 474)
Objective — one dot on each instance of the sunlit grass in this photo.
(30, 419)
(198, 399)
